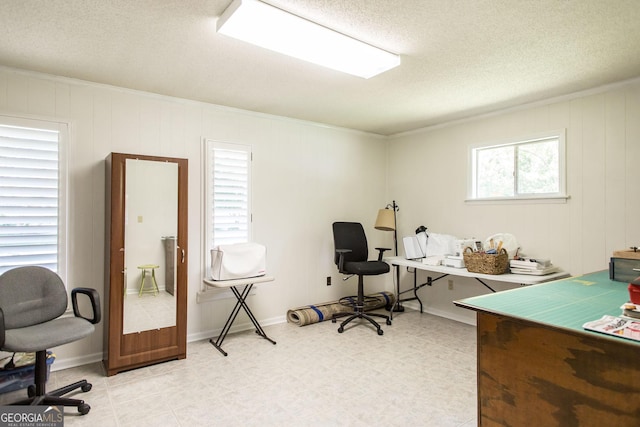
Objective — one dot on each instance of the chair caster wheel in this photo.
(340, 330)
(31, 390)
(380, 332)
(86, 387)
(388, 322)
(84, 409)
(333, 320)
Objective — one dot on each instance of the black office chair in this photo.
(351, 253)
(32, 299)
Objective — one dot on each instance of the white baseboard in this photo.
(237, 327)
(73, 362)
(441, 313)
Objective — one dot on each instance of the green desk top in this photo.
(568, 303)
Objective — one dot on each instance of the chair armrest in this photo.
(341, 253)
(94, 297)
(1, 328)
(382, 252)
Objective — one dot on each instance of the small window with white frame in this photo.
(528, 168)
(227, 196)
(33, 194)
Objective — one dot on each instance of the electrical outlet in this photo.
(328, 280)
(450, 284)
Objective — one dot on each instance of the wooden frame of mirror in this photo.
(133, 350)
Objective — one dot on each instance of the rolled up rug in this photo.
(315, 313)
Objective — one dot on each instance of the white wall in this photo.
(428, 171)
(305, 176)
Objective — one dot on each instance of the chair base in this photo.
(360, 315)
(38, 395)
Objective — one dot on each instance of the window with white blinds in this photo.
(228, 194)
(31, 194)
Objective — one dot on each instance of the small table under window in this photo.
(241, 296)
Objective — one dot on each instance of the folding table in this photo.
(522, 279)
(241, 293)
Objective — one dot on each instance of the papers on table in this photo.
(616, 326)
(533, 266)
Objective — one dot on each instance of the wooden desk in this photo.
(537, 366)
(522, 279)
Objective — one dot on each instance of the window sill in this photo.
(520, 200)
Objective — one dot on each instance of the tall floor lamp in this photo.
(386, 221)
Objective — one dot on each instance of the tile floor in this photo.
(149, 311)
(421, 372)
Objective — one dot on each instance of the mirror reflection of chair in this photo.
(351, 253)
(32, 301)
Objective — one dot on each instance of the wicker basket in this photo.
(480, 262)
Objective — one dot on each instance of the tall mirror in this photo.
(146, 281)
(150, 230)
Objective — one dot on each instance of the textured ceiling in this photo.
(459, 57)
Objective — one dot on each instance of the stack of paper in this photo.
(537, 267)
(631, 310)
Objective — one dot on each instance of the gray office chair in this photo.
(351, 253)
(32, 299)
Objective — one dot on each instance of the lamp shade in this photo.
(385, 220)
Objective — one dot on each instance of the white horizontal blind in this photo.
(29, 197)
(229, 193)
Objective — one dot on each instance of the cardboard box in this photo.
(627, 254)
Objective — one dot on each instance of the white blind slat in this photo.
(229, 180)
(29, 200)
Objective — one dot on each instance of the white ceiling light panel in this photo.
(266, 26)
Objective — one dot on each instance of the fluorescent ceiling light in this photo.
(266, 26)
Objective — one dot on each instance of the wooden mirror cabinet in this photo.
(146, 261)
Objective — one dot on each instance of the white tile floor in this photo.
(421, 372)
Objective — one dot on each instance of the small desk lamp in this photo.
(386, 221)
